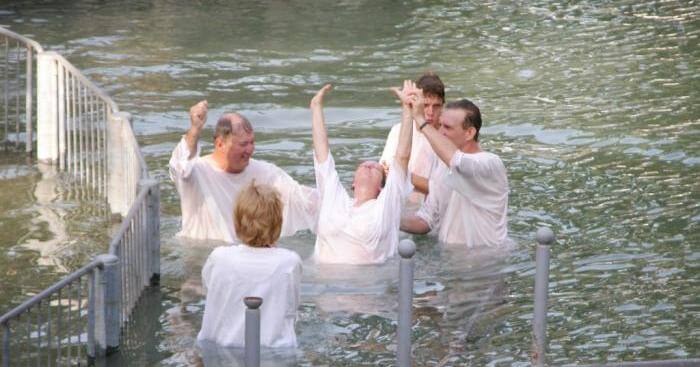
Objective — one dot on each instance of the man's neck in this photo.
(222, 163)
(471, 147)
(362, 196)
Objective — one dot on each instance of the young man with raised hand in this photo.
(423, 160)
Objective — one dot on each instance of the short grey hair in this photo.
(232, 124)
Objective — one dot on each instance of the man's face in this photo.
(369, 174)
(433, 109)
(238, 149)
(451, 126)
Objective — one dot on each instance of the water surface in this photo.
(594, 108)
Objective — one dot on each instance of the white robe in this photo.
(423, 161)
(468, 201)
(234, 272)
(208, 195)
(365, 234)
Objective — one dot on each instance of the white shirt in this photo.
(468, 202)
(234, 272)
(365, 234)
(423, 160)
(208, 195)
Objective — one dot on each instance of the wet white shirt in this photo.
(423, 160)
(234, 272)
(468, 201)
(365, 234)
(208, 195)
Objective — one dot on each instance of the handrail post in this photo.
(153, 205)
(545, 237)
(117, 192)
(107, 305)
(6, 344)
(406, 249)
(47, 107)
(252, 331)
(28, 100)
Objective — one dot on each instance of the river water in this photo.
(594, 108)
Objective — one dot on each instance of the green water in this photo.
(594, 108)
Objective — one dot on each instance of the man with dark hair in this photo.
(468, 199)
(209, 185)
(423, 159)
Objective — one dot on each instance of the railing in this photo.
(16, 53)
(94, 142)
(82, 131)
(65, 323)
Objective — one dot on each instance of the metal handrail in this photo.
(94, 88)
(33, 48)
(133, 258)
(25, 40)
(126, 223)
(53, 289)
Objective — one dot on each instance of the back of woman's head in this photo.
(257, 216)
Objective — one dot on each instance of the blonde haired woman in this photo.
(256, 268)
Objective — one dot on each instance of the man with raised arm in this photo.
(209, 185)
(468, 199)
(423, 160)
(363, 229)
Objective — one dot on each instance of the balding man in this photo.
(209, 185)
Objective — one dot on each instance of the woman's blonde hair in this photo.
(257, 216)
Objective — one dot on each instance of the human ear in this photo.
(471, 132)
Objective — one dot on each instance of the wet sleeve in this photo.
(332, 195)
(477, 177)
(390, 146)
(430, 210)
(180, 165)
(294, 285)
(398, 186)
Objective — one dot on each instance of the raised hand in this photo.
(417, 104)
(198, 115)
(318, 125)
(405, 94)
(317, 101)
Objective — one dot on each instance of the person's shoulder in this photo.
(287, 256)
(490, 156)
(260, 167)
(223, 251)
(492, 160)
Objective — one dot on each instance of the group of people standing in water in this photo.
(432, 177)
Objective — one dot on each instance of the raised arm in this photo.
(443, 147)
(318, 125)
(403, 149)
(198, 118)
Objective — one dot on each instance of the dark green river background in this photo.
(593, 106)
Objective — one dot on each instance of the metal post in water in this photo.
(154, 207)
(107, 301)
(28, 100)
(545, 237)
(406, 250)
(6, 345)
(47, 107)
(118, 186)
(252, 331)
